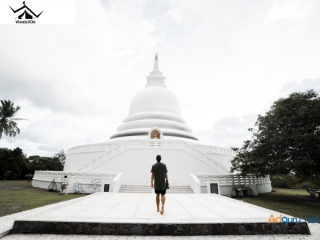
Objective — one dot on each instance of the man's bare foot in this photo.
(157, 209)
(162, 210)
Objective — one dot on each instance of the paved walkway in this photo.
(140, 207)
(110, 207)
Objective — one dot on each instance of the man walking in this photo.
(159, 175)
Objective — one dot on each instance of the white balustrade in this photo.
(195, 184)
(117, 182)
(226, 182)
(72, 176)
(232, 179)
(43, 179)
(100, 147)
(215, 150)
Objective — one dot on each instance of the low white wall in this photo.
(264, 187)
(225, 190)
(195, 184)
(117, 182)
(83, 181)
(226, 182)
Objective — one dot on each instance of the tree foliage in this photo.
(286, 139)
(14, 164)
(8, 124)
(61, 156)
(44, 163)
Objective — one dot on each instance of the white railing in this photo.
(81, 177)
(231, 179)
(155, 110)
(215, 150)
(204, 158)
(117, 182)
(79, 182)
(108, 146)
(100, 147)
(106, 156)
(195, 184)
(152, 144)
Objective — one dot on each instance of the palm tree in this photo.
(8, 126)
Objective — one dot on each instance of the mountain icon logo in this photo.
(27, 14)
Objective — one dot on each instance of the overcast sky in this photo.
(226, 61)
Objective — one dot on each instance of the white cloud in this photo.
(221, 58)
(229, 132)
(302, 86)
(293, 10)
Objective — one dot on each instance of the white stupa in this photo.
(155, 106)
(153, 127)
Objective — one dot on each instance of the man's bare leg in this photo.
(163, 200)
(158, 201)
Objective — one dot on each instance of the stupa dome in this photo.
(155, 99)
(155, 106)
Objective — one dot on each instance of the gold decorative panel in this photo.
(155, 134)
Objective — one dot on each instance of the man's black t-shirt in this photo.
(159, 170)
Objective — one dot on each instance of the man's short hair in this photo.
(158, 158)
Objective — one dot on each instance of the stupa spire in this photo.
(156, 70)
(156, 63)
(156, 77)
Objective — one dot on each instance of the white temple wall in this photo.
(264, 188)
(226, 190)
(224, 160)
(136, 165)
(78, 160)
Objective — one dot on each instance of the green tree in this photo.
(61, 156)
(8, 126)
(286, 139)
(44, 163)
(13, 163)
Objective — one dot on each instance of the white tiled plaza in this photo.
(122, 207)
(129, 207)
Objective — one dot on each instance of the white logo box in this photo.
(54, 11)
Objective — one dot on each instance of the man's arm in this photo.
(152, 177)
(167, 178)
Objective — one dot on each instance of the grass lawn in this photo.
(294, 202)
(19, 195)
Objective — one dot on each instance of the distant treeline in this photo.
(14, 164)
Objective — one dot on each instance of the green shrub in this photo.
(291, 181)
(29, 177)
(284, 181)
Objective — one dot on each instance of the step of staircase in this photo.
(126, 188)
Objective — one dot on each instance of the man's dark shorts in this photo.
(162, 192)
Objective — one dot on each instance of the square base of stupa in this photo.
(135, 214)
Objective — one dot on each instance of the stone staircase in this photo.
(125, 188)
(180, 189)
